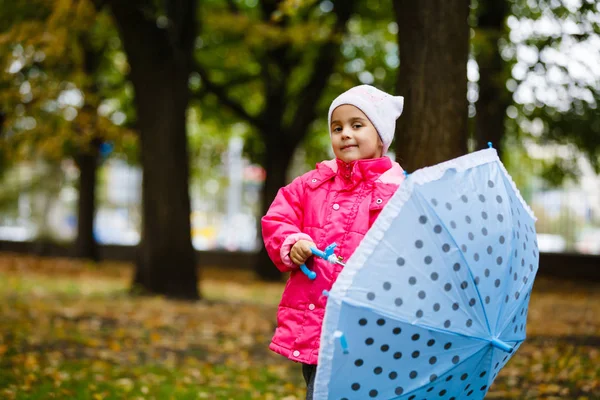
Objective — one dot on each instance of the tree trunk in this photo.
(160, 62)
(276, 164)
(167, 261)
(87, 159)
(85, 244)
(433, 38)
(494, 97)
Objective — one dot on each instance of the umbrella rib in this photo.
(455, 366)
(508, 319)
(391, 315)
(424, 201)
(510, 257)
(490, 380)
(445, 294)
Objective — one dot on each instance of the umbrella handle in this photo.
(325, 255)
(310, 274)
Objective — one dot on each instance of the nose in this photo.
(346, 133)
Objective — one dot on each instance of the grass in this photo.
(69, 330)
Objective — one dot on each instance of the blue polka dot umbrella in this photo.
(434, 301)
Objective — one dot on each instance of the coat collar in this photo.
(381, 169)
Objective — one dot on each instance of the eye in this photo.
(337, 129)
(356, 126)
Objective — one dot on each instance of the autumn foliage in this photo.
(70, 330)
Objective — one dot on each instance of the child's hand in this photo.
(301, 251)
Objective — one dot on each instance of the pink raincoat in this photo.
(336, 202)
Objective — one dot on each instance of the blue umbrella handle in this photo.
(311, 274)
(326, 255)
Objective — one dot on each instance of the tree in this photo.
(433, 39)
(282, 102)
(158, 44)
(52, 53)
(493, 98)
(555, 90)
(87, 159)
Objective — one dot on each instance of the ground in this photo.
(70, 330)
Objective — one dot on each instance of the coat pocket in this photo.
(379, 198)
(289, 321)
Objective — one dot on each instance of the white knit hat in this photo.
(381, 108)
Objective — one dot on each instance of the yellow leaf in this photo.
(549, 388)
(126, 383)
(154, 337)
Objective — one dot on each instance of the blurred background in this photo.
(246, 86)
(141, 141)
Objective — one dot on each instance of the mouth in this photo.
(348, 147)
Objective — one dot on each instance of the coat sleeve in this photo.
(282, 224)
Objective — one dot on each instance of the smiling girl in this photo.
(337, 202)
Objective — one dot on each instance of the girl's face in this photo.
(353, 136)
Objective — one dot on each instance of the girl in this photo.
(337, 202)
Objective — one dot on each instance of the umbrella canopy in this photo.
(434, 301)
